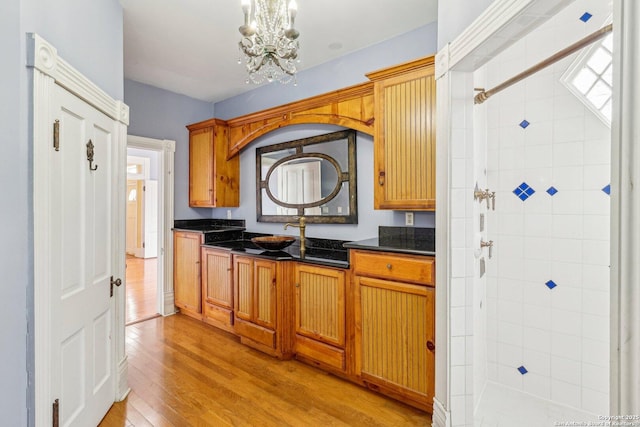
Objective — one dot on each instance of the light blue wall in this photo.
(454, 16)
(88, 35)
(157, 113)
(15, 221)
(339, 73)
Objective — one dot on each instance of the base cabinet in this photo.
(186, 272)
(217, 288)
(320, 316)
(394, 327)
(372, 324)
(260, 304)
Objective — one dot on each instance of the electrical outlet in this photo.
(228, 213)
(408, 218)
(339, 209)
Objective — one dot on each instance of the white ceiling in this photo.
(191, 46)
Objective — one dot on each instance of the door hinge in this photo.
(144, 188)
(56, 413)
(56, 135)
(142, 245)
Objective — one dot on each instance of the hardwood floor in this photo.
(183, 372)
(141, 288)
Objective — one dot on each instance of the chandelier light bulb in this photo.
(293, 9)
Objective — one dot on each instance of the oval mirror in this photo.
(305, 180)
(314, 177)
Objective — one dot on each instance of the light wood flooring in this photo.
(141, 288)
(183, 372)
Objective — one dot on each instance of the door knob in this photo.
(116, 282)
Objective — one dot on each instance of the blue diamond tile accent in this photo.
(607, 189)
(523, 192)
(551, 284)
(522, 370)
(585, 17)
(524, 124)
(552, 190)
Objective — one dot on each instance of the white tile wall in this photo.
(560, 335)
(464, 292)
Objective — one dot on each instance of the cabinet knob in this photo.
(431, 346)
(297, 285)
(389, 266)
(381, 178)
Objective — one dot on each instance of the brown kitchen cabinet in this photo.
(320, 316)
(261, 304)
(217, 288)
(214, 180)
(186, 272)
(404, 136)
(394, 305)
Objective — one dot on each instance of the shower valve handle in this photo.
(489, 245)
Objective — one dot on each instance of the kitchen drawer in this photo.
(386, 265)
(320, 352)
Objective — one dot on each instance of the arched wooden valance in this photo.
(352, 108)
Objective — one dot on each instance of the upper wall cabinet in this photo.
(404, 138)
(214, 181)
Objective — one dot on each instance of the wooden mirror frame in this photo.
(302, 149)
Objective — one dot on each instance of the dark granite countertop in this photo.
(325, 252)
(409, 240)
(209, 225)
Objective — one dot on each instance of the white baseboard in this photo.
(441, 417)
(169, 306)
(123, 386)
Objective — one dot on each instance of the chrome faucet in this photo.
(302, 224)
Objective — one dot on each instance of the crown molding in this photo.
(43, 56)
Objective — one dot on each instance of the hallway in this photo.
(141, 289)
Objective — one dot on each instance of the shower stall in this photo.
(545, 297)
(527, 259)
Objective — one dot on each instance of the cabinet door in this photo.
(216, 277)
(201, 167)
(395, 337)
(405, 141)
(243, 278)
(186, 273)
(264, 293)
(320, 304)
(213, 179)
(217, 289)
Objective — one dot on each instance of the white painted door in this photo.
(132, 216)
(81, 251)
(150, 218)
(299, 183)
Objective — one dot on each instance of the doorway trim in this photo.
(166, 151)
(50, 70)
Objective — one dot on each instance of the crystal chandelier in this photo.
(269, 40)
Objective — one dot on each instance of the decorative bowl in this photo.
(273, 243)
